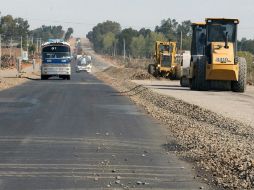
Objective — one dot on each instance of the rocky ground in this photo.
(220, 148)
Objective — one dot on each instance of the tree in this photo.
(172, 31)
(99, 31)
(246, 45)
(168, 28)
(144, 32)
(150, 41)
(186, 30)
(137, 46)
(48, 32)
(108, 42)
(126, 35)
(14, 28)
(68, 34)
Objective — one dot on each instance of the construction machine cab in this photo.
(221, 35)
(214, 62)
(165, 53)
(198, 39)
(164, 60)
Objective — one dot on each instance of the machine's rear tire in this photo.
(201, 83)
(240, 85)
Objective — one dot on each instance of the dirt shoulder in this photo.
(221, 148)
(11, 78)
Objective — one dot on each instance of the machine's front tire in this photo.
(151, 69)
(240, 85)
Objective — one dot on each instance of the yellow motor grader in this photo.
(164, 61)
(214, 62)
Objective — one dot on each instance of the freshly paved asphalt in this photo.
(82, 134)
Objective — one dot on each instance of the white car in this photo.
(83, 65)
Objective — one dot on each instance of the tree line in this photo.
(16, 28)
(109, 38)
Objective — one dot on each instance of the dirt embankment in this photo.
(221, 148)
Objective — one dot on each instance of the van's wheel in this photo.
(44, 77)
(68, 77)
(240, 85)
(184, 82)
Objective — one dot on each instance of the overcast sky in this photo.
(82, 15)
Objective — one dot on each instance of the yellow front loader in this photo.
(164, 61)
(214, 61)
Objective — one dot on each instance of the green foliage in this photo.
(246, 45)
(138, 45)
(68, 34)
(108, 42)
(99, 31)
(32, 48)
(172, 30)
(48, 32)
(150, 42)
(126, 35)
(14, 28)
(168, 28)
(247, 55)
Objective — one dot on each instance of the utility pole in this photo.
(0, 41)
(10, 47)
(114, 49)
(21, 47)
(27, 43)
(181, 46)
(124, 50)
(0, 51)
(40, 44)
(37, 45)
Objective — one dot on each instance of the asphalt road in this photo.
(81, 134)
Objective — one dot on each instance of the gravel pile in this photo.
(128, 73)
(221, 148)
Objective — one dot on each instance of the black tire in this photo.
(43, 77)
(200, 83)
(68, 77)
(240, 85)
(151, 69)
(220, 85)
(193, 81)
(184, 82)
